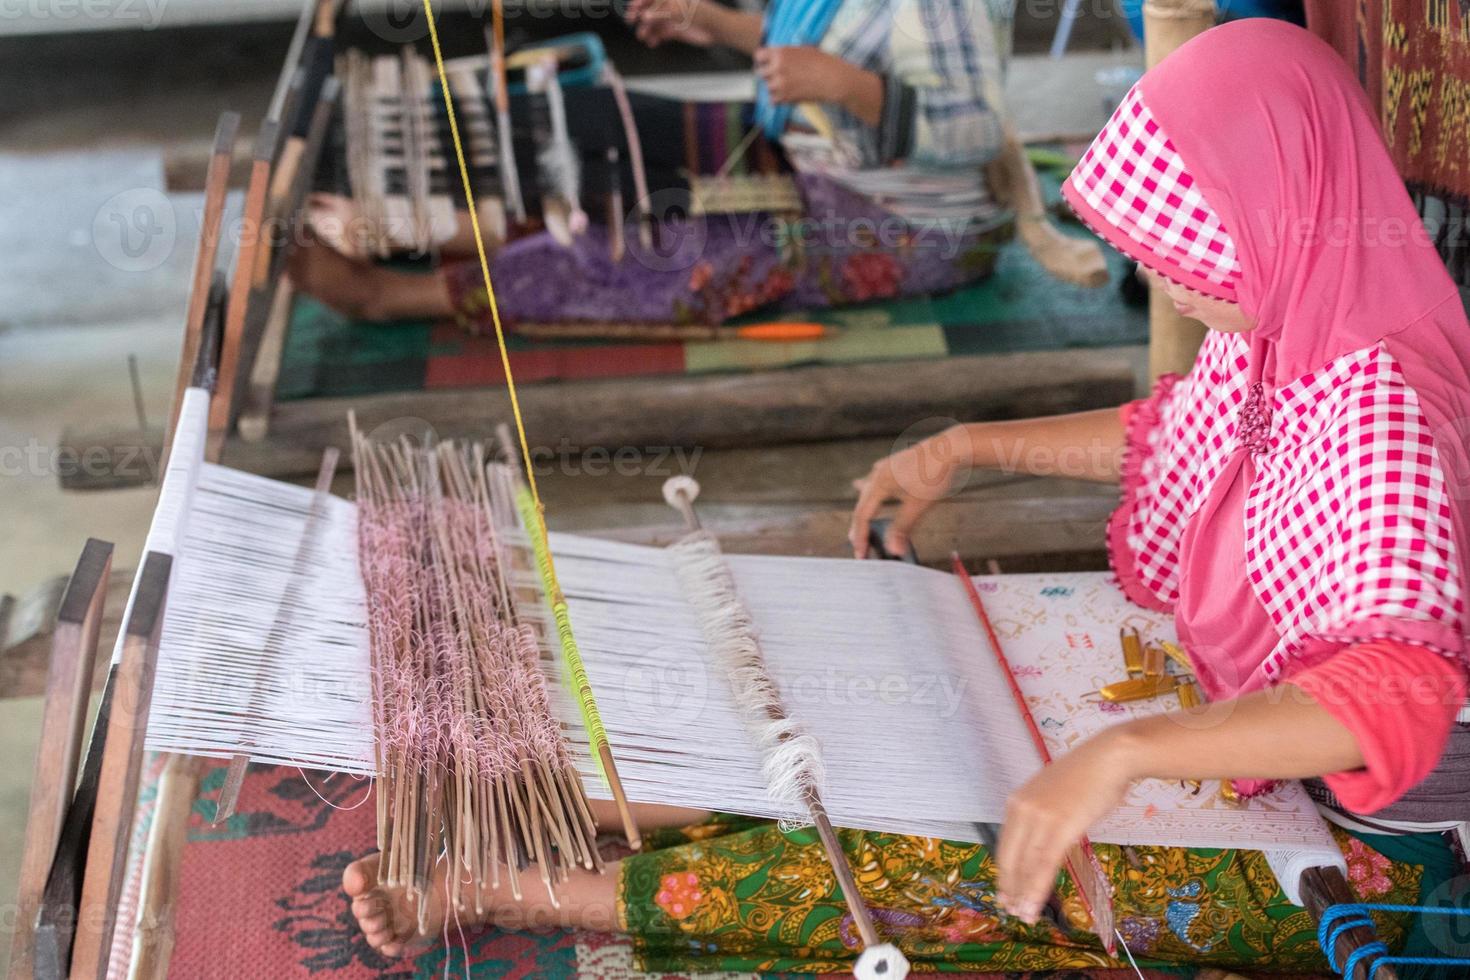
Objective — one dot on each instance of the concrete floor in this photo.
(95, 261)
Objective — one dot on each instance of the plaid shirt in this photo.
(941, 64)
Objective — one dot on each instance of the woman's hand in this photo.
(807, 74)
(916, 477)
(657, 21)
(1052, 812)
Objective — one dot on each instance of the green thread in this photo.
(571, 656)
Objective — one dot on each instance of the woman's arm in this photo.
(1282, 733)
(699, 22)
(732, 28)
(1084, 445)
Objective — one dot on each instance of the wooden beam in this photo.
(260, 393)
(1322, 888)
(64, 715)
(715, 411)
(26, 655)
(1060, 523)
(122, 763)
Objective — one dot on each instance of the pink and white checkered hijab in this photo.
(1247, 166)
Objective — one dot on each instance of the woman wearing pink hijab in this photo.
(1299, 500)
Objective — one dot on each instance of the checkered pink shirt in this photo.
(1348, 518)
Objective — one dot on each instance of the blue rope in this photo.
(1337, 919)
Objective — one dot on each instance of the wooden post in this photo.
(122, 764)
(216, 186)
(1173, 340)
(252, 235)
(68, 686)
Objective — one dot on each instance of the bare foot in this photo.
(1079, 261)
(389, 917)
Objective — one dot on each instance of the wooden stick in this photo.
(509, 175)
(57, 920)
(683, 501)
(776, 331)
(303, 29)
(260, 393)
(68, 683)
(326, 18)
(1174, 339)
(122, 762)
(216, 187)
(251, 235)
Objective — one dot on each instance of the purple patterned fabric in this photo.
(843, 248)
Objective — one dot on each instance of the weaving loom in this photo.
(266, 652)
(397, 145)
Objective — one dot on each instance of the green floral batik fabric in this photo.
(740, 894)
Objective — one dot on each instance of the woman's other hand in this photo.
(1052, 812)
(657, 21)
(916, 477)
(806, 74)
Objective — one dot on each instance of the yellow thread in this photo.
(533, 514)
(464, 176)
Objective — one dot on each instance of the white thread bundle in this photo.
(557, 158)
(886, 667)
(176, 491)
(248, 588)
(244, 598)
(791, 759)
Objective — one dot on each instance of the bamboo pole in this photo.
(1173, 340)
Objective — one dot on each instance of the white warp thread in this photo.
(885, 666)
(171, 513)
(254, 659)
